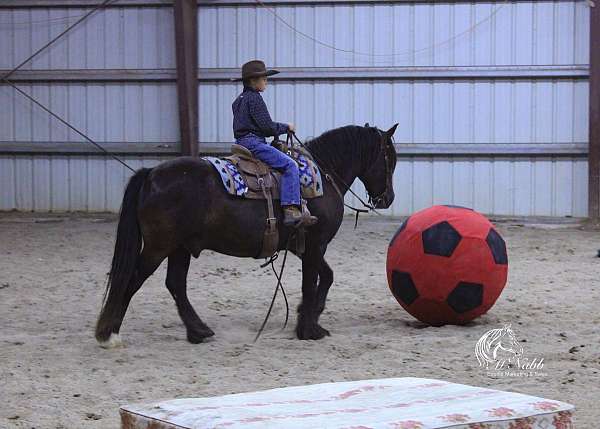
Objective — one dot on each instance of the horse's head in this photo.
(378, 174)
(510, 341)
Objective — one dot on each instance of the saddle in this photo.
(263, 183)
(257, 175)
(252, 169)
(245, 176)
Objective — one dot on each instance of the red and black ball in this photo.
(447, 265)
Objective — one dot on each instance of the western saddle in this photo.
(264, 184)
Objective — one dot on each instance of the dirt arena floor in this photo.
(54, 375)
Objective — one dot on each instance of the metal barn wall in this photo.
(491, 97)
(419, 34)
(109, 110)
(139, 112)
(66, 183)
(544, 186)
(435, 116)
(501, 185)
(497, 91)
(114, 38)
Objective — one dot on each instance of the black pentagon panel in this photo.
(497, 246)
(440, 239)
(457, 207)
(403, 287)
(465, 297)
(402, 228)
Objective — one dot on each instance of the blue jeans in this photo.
(290, 182)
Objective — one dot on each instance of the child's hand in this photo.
(292, 127)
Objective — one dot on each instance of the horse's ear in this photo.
(367, 125)
(392, 130)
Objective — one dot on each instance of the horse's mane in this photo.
(485, 343)
(345, 144)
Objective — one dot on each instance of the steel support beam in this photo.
(310, 73)
(444, 150)
(82, 147)
(168, 3)
(26, 4)
(594, 115)
(411, 73)
(403, 149)
(186, 52)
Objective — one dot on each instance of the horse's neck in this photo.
(344, 170)
(344, 177)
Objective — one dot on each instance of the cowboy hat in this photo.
(255, 68)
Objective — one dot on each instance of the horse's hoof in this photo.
(311, 332)
(198, 336)
(113, 342)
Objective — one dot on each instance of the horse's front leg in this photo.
(308, 327)
(325, 282)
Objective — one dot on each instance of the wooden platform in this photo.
(392, 403)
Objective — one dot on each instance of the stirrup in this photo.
(305, 219)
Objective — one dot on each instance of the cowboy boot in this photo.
(293, 216)
(309, 219)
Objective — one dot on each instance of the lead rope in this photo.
(271, 261)
(279, 285)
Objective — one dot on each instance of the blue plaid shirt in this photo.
(250, 115)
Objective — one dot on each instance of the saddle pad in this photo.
(392, 403)
(311, 184)
(232, 179)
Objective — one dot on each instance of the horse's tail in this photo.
(127, 249)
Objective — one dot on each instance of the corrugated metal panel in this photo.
(138, 38)
(65, 183)
(504, 186)
(421, 34)
(520, 186)
(108, 112)
(437, 111)
(436, 34)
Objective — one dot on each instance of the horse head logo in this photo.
(496, 344)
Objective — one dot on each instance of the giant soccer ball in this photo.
(447, 265)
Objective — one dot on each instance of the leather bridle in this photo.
(373, 201)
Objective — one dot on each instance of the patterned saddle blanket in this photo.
(242, 175)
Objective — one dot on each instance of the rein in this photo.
(330, 178)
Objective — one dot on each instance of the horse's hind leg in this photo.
(179, 263)
(148, 261)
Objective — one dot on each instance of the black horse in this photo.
(180, 207)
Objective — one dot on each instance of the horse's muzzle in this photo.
(385, 201)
